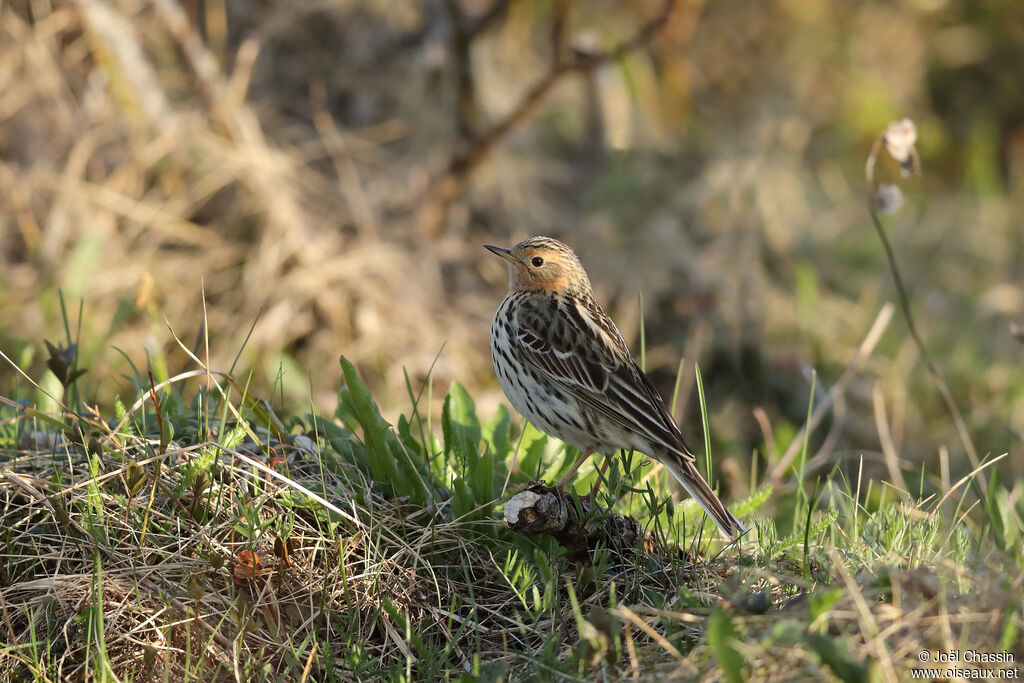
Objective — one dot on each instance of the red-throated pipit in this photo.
(565, 367)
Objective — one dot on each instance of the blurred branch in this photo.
(475, 150)
(483, 21)
(464, 32)
(558, 30)
(905, 153)
(464, 161)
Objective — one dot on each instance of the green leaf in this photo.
(464, 425)
(540, 560)
(390, 464)
(721, 635)
(1011, 629)
(481, 476)
(534, 443)
(343, 444)
(489, 672)
(796, 538)
(96, 516)
(566, 456)
(134, 478)
(119, 409)
(235, 436)
(837, 657)
(496, 433)
(362, 407)
(43, 417)
(462, 499)
(447, 430)
(408, 440)
(1000, 514)
(822, 601)
(411, 479)
(166, 432)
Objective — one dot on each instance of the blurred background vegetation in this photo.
(317, 178)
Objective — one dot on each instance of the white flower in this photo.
(899, 139)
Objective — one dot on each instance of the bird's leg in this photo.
(600, 479)
(583, 458)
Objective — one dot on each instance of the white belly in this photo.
(547, 407)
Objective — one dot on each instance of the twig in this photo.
(558, 31)
(483, 21)
(464, 31)
(467, 114)
(465, 161)
(470, 155)
(904, 299)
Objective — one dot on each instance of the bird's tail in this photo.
(683, 470)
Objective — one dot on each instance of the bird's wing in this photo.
(577, 346)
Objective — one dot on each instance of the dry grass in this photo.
(218, 567)
(280, 159)
(137, 174)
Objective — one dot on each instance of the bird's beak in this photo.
(503, 253)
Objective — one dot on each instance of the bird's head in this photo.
(543, 265)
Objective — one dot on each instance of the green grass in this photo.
(199, 535)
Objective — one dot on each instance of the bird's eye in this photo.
(537, 261)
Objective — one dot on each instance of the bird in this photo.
(565, 367)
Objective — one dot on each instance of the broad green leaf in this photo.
(837, 657)
(721, 635)
(496, 433)
(343, 444)
(1000, 513)
(822, 600)
(531, 451)
(481, 476)
(390, 464)
(462, 499)
(447, 430)
(405, 434)
(463, 423)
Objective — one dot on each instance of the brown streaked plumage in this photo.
(566, 368)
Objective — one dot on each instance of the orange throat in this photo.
(522, 282)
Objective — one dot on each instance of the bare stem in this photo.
(904, 299)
